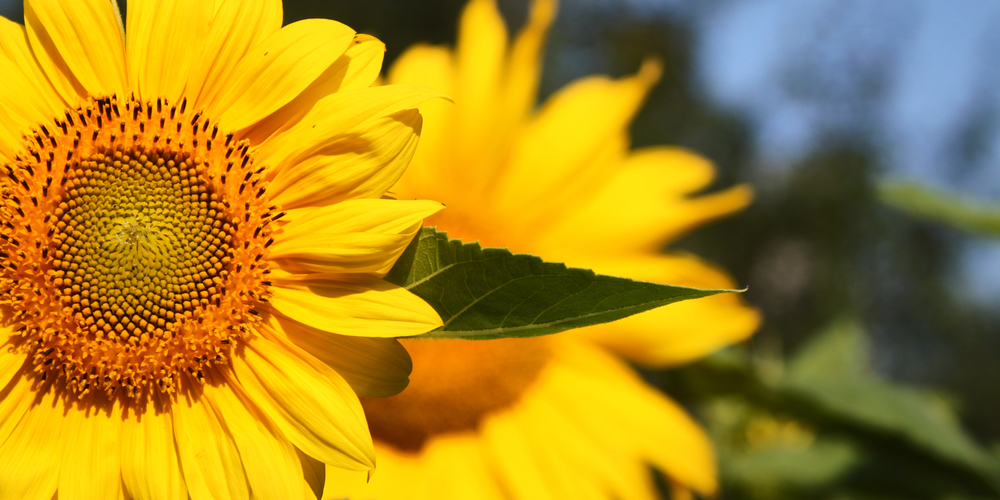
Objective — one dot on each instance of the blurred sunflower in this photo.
(561, 416)
(193, 237)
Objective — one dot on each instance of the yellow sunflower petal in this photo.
(15, 395)
(361, 163)
(22, 106)
(269, 459)
(238, 25)
(327, 122)
(318, 412)
(644, 204)
(358, 67)
(314, 472)
(569, 131)
(374, 367)
(24, 91)
(9, 137)
(367, 308)
(278, 69)
(160, 53)
(29, 458)
(209, 458)
(87, 38)
(150, 467)
(355, 236)
(91, 460)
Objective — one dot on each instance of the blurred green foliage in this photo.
(946, 208)
(823, 425)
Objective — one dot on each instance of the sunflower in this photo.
(561, 416)
(193, 238)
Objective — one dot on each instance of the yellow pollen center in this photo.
(134, 238)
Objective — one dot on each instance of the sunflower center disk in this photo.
(138, 261)
(140, 246)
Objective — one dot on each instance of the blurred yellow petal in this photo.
(148, 445)
(511, 453)
(159, 48)
(369, 308)
(524, 67)
(569, 130)
(643, 205)
(480, 54)
(278, 69)
(91, 462)
(318, 412)
(645, 420)
(432, 168)
(678, 333)
(238, 25)
(560, 431)
(454, 467)
(558, 182)
(355, 236)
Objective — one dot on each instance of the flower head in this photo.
(193, 235)
(561, 416)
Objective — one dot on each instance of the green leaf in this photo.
(488, 293)
(949, 209)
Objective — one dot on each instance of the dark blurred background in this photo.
(813, 102)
